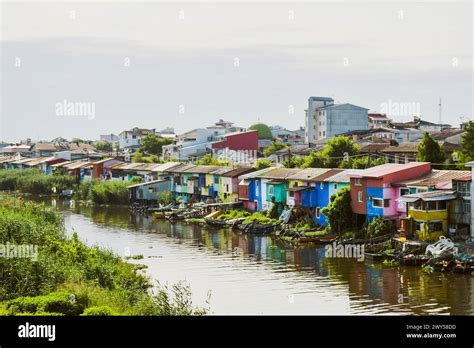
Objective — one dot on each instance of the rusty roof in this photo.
(410, 147)
(279, 173)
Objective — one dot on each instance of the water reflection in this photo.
(265, 272)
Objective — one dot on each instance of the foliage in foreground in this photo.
(34, 181)
(70, 278)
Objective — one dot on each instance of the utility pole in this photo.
(440, 119)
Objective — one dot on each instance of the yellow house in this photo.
(427, 215)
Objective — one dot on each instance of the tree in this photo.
(467, 140)
(337, 149)
(104, 146)
(315, 159)
(294, 162)
(137, 157)
(379, 227)
(262, 163)
(153, 145)
(361, 162)
(209, 159)
(274, 147)
(429, 150)
(339, 211)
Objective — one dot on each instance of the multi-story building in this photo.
(325, 119)
(130, 139)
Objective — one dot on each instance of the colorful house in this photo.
(101, 169)
(428, 214)
(230, 184)
(250, 189)
(373, 192)
(149, 191)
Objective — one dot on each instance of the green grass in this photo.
(259, 218)
(69, 277)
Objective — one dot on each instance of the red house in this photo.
(238, 141)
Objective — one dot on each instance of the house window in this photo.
(335, 186)
(318, 212)
(386, 203)
(321, 185)
(292, 193)
(404, 191)
(466, 207)
(359, 196)
(377, 203)
(421, 189)
(185, 180)
(357, 182)
(257, 187)
(216, 180)
(441, 205)
(324, 133)
(270, 190)
(227, 187)
(464, 189)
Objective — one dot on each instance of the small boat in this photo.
(373, 240)
(262, 229)
(215, 222)
(324, 239)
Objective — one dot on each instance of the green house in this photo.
(276, 191)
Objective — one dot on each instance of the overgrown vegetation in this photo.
(210, 160)
(34, 181)
(339, 212)
(379, 227)
(103, 192)
(259, 218)
(69, 278)
(234, 214)
(262, 164)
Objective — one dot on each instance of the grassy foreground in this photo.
(70, 278)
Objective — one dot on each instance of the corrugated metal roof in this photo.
(441, 179)
(61, 164)
(429, 196)
(386, 169)
(181, 169)
(166, 166)
(202, 169)
(147, 183)
(344, 176)
(308, 174)
(238, 171)
(279, 173)
(255, 174)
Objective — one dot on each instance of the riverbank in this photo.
(59, 275)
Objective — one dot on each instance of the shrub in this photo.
(379, 227)
(99, 311)
(57, 302)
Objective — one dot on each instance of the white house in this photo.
(130, 139)
(194, 143)
(471, 164)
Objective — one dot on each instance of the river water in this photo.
(258, 275)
